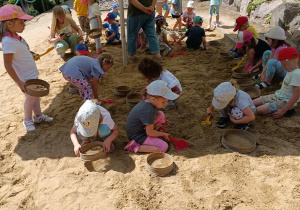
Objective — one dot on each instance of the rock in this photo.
(228, 2)
(296, 36)
(295, 24)
(284, 14)
(243, 8)
(260, 14)
(237, 4)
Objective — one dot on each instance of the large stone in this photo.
(228, 2)
(243, 8)
(295, 24)
(296, 36)
(284, 14)
(237, 4)
(260, 14)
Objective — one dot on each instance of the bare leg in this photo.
(257, 102)
(159, 8)
(148, 148)
(263, 109)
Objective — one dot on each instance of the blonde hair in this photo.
(57, 12)
(105, 58)
(3, 28)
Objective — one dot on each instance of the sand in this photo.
(38, 170)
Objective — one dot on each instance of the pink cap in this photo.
(10, 11)
(243, 36)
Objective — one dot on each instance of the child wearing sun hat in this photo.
(93, 121)
(189, 15)
(226, 97)
(287, 97)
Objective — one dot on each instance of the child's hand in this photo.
(279, 113)
(166, 136)
(234, 120)
(22, 86)
(77, 150)
(107, 145)
(106, 38)
(167, 123)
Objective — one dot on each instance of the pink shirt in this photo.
(275, 52)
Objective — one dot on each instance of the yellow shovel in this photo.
(40, 55)
(236, 67)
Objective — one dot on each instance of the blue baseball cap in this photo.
(110, 16)
(83, 49)
(116, 6)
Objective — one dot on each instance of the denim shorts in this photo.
(273, 102)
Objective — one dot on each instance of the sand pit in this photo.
(38, 170)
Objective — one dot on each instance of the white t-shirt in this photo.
(291, 79)
(94, 10)
(170, 79)
(242, 100)
(23, 62)
(106, 118)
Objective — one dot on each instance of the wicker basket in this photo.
(160, 164)
(37, 87)
(95, 33)
(133, 98)
(238, 141)
(89, 153)
(253, 92)
(122, 90)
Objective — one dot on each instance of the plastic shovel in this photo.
(107, 101)
(40, 55)
(179, 53)
(180, 144)
(236, 67)
(207, 121)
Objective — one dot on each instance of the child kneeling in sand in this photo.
(226, 97)
(196, 35)
(19, 62)
(288, 95)
(112, 34)
(144, 117)
(93, 121)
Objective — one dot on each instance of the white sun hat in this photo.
(276, 33)
(190, 4)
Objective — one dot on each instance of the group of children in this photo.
(144, 122)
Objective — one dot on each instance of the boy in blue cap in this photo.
(112, 34)
(82, 49)
(115, 10)
(196, 35)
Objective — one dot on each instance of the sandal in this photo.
(262, 85)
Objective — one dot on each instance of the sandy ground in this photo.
(38, 170)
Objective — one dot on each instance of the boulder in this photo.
(237, 4)
(243, 8)
(296, 36)
(295, 24)
(284, 14)
(260, 14)
(228, 2)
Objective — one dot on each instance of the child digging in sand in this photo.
(287, 97)
(82, 49)
(81, 70)
(93, 121)
(196, 35)
(112, 34)
(144, 117)
(18, 60)
(226, 97)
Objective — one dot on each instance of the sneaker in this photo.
(238, 56)
(132, 146)
(42, 118)
(233, 50)
(222, 122)
(290, 112)
(28, 124)
(208, 27)
(262, 85)
(243, 127)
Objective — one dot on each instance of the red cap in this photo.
(239, 22)
(288, 53)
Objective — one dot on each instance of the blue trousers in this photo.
(146, 22)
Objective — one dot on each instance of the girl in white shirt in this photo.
(18, 60)
(154, 71)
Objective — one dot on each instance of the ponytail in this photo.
(105, 58)
(2, 29)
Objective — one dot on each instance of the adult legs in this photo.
(133, 27)
(61, 47)
(73, 41)
(95, 25)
